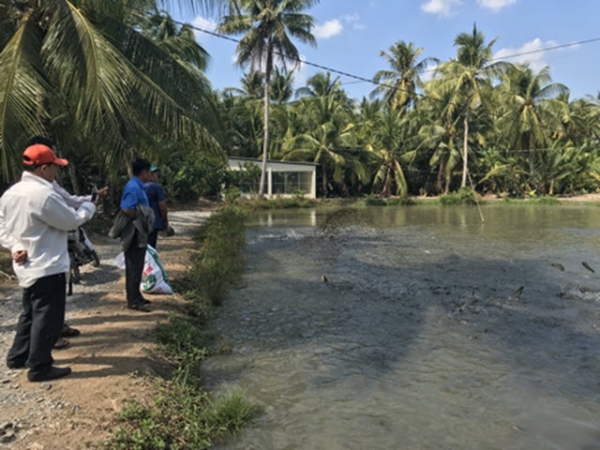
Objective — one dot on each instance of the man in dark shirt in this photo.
(134, 194)
(158, 202)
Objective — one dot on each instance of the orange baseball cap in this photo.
(40, 154)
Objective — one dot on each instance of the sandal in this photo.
(139, 307)
(68, 331)
(61, 344)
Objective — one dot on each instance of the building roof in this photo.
(271, 161)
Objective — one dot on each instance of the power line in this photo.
(361, 79)
(368, 80)
(547, 49)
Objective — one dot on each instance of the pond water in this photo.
(417, 328)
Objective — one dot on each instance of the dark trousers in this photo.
(152, 238)
(134, 266)
(40, 323)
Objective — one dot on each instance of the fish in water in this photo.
(587, 266)
(517, 294)
(558, 266)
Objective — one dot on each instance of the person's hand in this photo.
(102, 192)
(20, 257)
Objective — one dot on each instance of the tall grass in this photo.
(181, 416)
(220, 259)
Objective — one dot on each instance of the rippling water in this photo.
(419, 338)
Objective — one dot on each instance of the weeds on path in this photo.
(183, 415)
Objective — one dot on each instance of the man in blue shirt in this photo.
(134, 194)
(158, 202)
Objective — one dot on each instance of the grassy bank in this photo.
(183, 415)
(462, 197)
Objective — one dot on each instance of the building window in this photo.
(290, 182)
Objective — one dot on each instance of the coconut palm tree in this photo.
(328, 136)
(268, 26)
(320, 85)
(81, 71)
(390, 141)
(282, 88)
(438, 136)
(398, 86)
(467, 77)
(178, 41)
(526, 123)
(253, 86)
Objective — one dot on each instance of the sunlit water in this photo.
(418, 339)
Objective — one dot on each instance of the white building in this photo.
(284, 178)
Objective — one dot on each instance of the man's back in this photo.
(155, 194)
(37, 219)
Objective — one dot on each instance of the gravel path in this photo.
(26, 408)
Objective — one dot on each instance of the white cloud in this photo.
(354, 20)
(496, 5)
(204, 24)
(440, 7)
(524, 54)
(328, 29)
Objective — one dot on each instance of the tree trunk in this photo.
(440, 176)
(261, 189)
(530, 153)
(465, 149)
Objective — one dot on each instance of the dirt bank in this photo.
(77, 411)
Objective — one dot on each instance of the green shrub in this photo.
(403, 201)
(464, 196)
(193, 175)
(232, 193)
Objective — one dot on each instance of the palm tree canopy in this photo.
(268, 26)
(82, 71)
(399, 85)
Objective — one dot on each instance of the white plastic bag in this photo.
(154, 276)
(120, 261)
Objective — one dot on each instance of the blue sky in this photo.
(351, 33)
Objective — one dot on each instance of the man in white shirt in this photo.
(34, 222)
(74, 201)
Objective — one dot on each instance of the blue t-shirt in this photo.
(156, 194)
(134, 193)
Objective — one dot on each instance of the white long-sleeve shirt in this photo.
(35, 217)
(74, 201)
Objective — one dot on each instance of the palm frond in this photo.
(22, 85)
